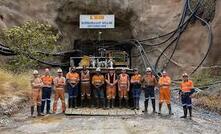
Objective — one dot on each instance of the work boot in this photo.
(103, 103)
(89, 103)
(48, 106)
(32, 111)
(82, 102)
(134, 104)
(112, 103)
(185, 112)
(97, 103)
(69, 105)
(108, 104)
(39, 111)
(153, 105)
(42, 106)
(120, 103)
(127, 103)
(170, 110)
(160, 106)
(145, 106)
(137, 104)
(190, 111)
(70, 102)
(75, 102)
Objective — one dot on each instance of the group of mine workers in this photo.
(109, 83)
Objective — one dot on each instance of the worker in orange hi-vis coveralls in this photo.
(59, 83)
(123, 87)
(36, 84)
(164, 83)
(111, 84)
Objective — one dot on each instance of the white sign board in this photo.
(97, 21)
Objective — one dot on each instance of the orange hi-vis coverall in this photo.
(59, 83)
(36, 91)
(123, 85)
(111, 86)
(164, 83)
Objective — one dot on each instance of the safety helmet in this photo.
(98, 69)
(59, 71)
(35, 72)
(164, 72)
(135, 69)
(148, 69)
(111, 68)
(46, 70)
(185, 74)
(123, 69)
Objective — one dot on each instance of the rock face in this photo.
(138, 19)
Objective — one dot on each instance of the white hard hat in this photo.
(164, 72)
(123, 69)
(98, 69)
(185, 74)
(35, 72)
(46, 70)
(135, 69)
(59, 71)
(148, 69)
(111, 68)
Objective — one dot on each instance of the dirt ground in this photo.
(203, 122)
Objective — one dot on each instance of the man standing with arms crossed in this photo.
(36, 84)
(59, 83)
(136, 87)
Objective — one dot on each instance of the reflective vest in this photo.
(150, 80)
(59, 80)
(85, 77)
(111, 78)
(36, 84)
(123, 80)
(165, 80)
(98, 79)
(186, 86)
(47, 80)
(72, 77)
(136, 77)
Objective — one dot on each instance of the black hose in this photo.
(180, 33)
(210, 37)
(48, 63)
(171, 43)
